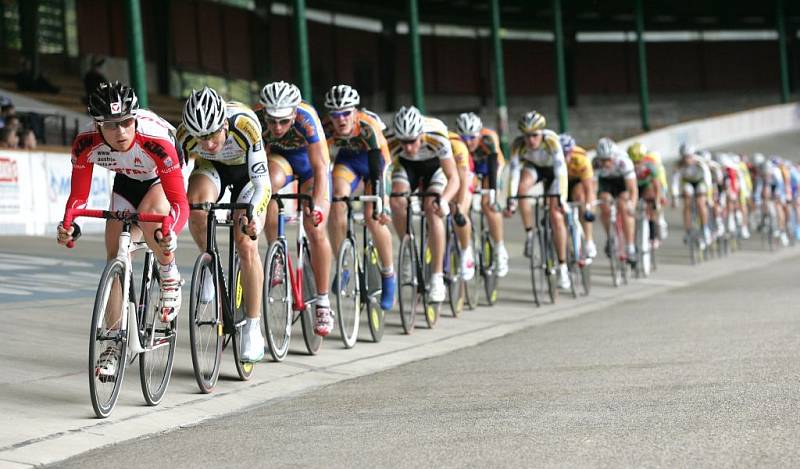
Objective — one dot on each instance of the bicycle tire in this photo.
(474, 284)
(103, 397)
(276, 302)
(456, 285)
(429, 308)
(308, 315)
(371, 271)
(535, 263)
(551, 265)
(586, 278)
(155, 363)
(572, 260)
(243, 369)
(489, 268)
(616, 276)
(205, 326)
(409, 295)
(348, 293)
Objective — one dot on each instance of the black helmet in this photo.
(112, 101)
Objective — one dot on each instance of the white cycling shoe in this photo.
(170, 301)
(591, 249)
(252, 342)
(468, 264)
(502, 260)
(564, 282)
(438, 291)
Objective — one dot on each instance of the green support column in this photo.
(301, 47)
(784, 55)
(416, 56)
(561, 75)
(136, 64)
(644, 96)
(499, 78)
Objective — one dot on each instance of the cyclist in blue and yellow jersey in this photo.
(298, 151)
(484, 147)
(463, 200)
(361, 154)
(225, 141)
(423, 159)
(538, 155)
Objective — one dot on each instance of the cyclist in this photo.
(298, 151)
(638, 151)
(488, 161)
(580, 179)
(745, 193)
(649, 186)
(140, 148)
(423, 158)
(692, 178)
(361, 153)
(463, 202)
(225, 140)
(537, 154)
(769, 185)
(616, 178)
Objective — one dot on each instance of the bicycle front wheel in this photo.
(348, 293)
(372, 277)
(474, 284)
(456, 285)
(312, 340)
(488, 268)
(243, 369)
(205, 323)
(276, 302)
(160, 341)
(409, 296)
(106, 331)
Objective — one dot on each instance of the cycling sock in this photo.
(168, 270)
(253, 322)
(387, 271)
(323, 300)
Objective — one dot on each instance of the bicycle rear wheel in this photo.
(550, 270)
(276, 302)
(372, 274)
(409, 296)
(243, 369)
(430, 308)
(160, 340)
(488, 268)
(456, 285)
(205, 324)
(536, 261)
(104, 389)
(348, 293)
(308, 315)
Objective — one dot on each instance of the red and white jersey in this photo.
(152, 155)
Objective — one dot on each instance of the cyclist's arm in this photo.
(450, 171)
(377, 165)
(320, 159)
(168, 169)
(257, 168)
(82, 170)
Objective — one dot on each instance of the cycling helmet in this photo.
(468, 123)
(637, 151)
(112, 101)
(341, 97)
(567, 142)
(531, 122)
(705, 155)
(375, 116)
(686, 149)
(280, 99)
(759, 159)
(204, 112)
(408, 123)
(605, 148)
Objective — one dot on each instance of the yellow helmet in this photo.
(637, 151)
(531, 122)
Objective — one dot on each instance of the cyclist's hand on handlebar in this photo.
(511, 207)
(252, 227)
(64, 236)
(588, 215)
(442, 208)
(167, 242)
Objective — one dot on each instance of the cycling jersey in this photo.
(621, 167)
(646, 173)
(579, 167)
(461, 152)
(351, 152)
(241, 160)
(488, 144)
(695, 177)
(655, 158)
(152, 156)
(549, 153)
(424, 168)
(290, 151)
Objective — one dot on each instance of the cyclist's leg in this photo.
(495, 220)
(436, 233)
(628, 223)
(527, 179)
(558, 186)
(321, 254)
(688, 193)
(205, 185)
(344, 181)
(464, 233)
(280, 174)
(399, 205)
(382, 238)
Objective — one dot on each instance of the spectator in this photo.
(94, 77)
(27, 139)
(6, 109)
(12, 122)
(29, 80)
(8, 138)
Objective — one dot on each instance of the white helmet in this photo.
(408, 123)
(341, 97)
(468, 123)
(280, 99)
(204, 112)
(686, 149)
(605, 148)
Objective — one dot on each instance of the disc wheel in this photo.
(376, 316)
(243, 369)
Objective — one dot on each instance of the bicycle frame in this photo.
(350, 234)
(295, 276)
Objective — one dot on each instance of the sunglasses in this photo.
(340, 114)
(210, 136)
(468, 138)
(534, 134)
(284, 121)
(113, 125)
(409, 141)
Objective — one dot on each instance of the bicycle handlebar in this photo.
(123, 215)
(375, 199)
(213, 206)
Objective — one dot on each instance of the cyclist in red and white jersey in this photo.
(139, 146)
